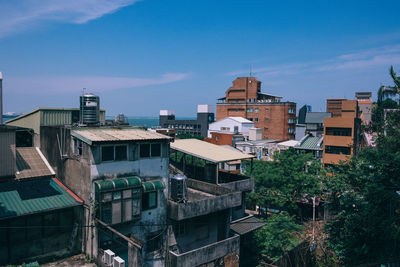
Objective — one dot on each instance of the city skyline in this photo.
(143, 56)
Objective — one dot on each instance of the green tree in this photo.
(282, 182)
(280, 234)
(364, 193)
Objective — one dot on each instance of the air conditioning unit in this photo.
(118, 262)
(108, 257)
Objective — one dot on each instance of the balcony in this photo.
(235, 182)
(203, 198)
(205, 254)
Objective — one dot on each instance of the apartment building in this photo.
(121, 174)
(244, 99)
(206, 231)
(342, 133)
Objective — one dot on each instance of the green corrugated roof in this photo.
(25, 197)
(310, 142)
(118, 183)
(153, 186)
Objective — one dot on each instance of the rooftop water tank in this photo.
(89, 109)
(179, 188)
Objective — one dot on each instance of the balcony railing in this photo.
(203, 198)
(205, 254)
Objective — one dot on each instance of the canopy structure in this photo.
(246, 225)
(208, 151)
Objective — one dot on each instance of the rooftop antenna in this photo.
(251, 71)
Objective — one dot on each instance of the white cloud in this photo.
(360, 60)
(65, 84)
(20, 15)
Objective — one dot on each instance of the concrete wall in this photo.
(7, 153)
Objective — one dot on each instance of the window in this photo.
(120, 206)
(153, 242)
(290, 130)
(249, 110)
(291, 121)
(114, 153)
(255, 119)
(338, 131)
(150, 150)
(145, 150)
(120, 153)
(78, 147)
(291, 111)
(107, 153)
(149, 200)
(256, 110)
(250, 119)
(337, 150)
(155, 150)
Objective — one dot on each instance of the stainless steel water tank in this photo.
(89, 109)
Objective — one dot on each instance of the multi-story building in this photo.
(334, 106)
(205, 230)
(315, 122)
(121, 174)
(244, 99)
(342, 133)
(40, 217)
(364, 100)
(205, 116)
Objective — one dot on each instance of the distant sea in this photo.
(133, 120)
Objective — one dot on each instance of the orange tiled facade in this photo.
(342, 133)
(244, 99)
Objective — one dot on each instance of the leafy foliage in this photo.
(277, 236)
(364, 193)
(282, 182)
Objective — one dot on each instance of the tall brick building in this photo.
(244, 99)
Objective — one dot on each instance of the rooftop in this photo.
(241, 120)
(289, 143)
(31, 163)
(26, 197)
(317, 117)
(256, 142)
(246, 225)
(44, 109)
(310, 143)
(207, 151)
(90, 135)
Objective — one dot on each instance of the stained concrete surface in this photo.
(77, 260)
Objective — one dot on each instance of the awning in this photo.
(118, 183)
(153, 186)
(208, 151)
(33, 196)
(246, 225)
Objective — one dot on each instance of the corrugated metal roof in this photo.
(31, 163)
(289, 143)
(317, 117)
(19, 197)
(311, 143)
(117, 183)
(246, 225)
(90, 135)
(208, 151)
(153, 186)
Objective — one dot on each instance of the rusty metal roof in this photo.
(31, 163)
(91, 135)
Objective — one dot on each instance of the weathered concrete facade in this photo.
(81, 164)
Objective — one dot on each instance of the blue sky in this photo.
(143, 56)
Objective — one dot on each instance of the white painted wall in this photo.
(243, 127)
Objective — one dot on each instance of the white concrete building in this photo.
(232, 125)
